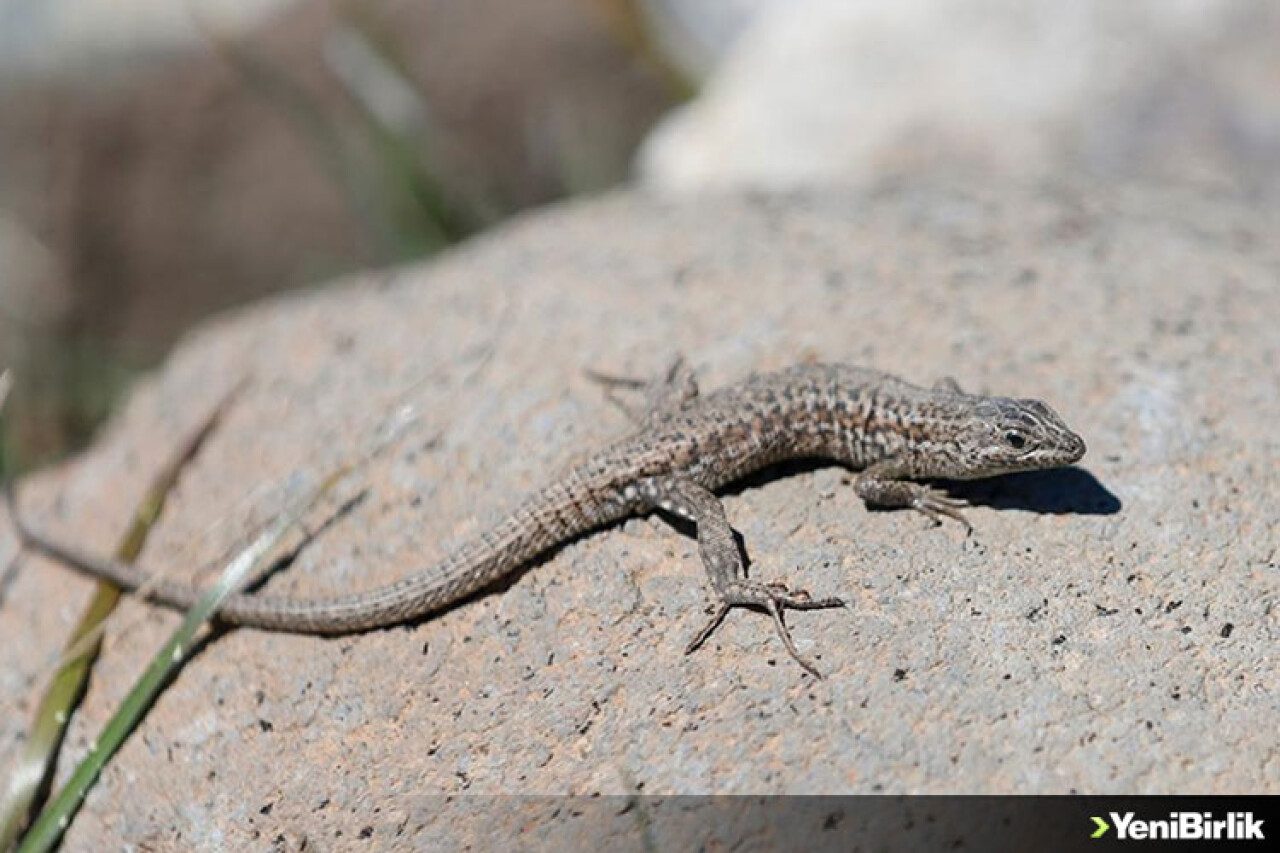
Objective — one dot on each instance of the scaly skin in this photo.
(686, 447)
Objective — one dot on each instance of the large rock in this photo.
(817, 92)
(1105, 629)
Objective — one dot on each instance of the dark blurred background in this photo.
(193, 158)
(161, 160)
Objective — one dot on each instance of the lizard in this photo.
(683, 448)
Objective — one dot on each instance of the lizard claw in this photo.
(936, 505)
(714, 622)
(774, 598)
(672, 391)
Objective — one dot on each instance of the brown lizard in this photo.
(685, 447)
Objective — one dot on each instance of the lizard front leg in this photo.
(882, 485)
(723, 562)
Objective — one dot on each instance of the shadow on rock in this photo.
(1059, 491)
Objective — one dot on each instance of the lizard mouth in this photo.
(1071, 450)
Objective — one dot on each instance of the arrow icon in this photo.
(1102, 828)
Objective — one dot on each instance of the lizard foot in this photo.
(936, 505)
(773, 598)
(670, 392)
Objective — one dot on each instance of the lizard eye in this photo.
(1015, 439)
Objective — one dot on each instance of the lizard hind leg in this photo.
(675, 388)
(723, 562)
(774, 599)
(949, 385)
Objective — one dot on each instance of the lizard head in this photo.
(1000, 435)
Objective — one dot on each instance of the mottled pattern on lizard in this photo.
(685, 447)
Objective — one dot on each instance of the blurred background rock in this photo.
(163, 160)
(823, 91)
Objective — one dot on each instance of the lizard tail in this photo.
(546, 519)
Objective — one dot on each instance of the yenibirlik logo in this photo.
(1183, 826)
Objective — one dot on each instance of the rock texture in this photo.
(1106, 629)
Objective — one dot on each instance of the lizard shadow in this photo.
(1056, 491)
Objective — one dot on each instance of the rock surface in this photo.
(1106, 629)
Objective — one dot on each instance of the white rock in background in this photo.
(697, 34)
(81, 36)
(818, 91)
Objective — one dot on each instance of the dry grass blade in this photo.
(30, 779)
(49, 827)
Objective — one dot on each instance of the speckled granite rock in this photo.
(1109, 628)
